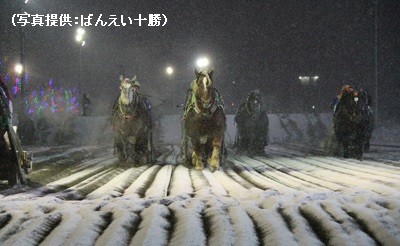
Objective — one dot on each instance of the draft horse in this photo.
(350, 125)
(132, 125)
(252, 125)
(204, 124)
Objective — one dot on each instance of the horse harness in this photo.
(135, 110)
(194, 104)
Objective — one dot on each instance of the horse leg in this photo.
(121, 152)
(359, 144)
(255, 142)
(115, 146)
(119, 148)
(197, 158)
(366, 142)
(243, 144)
(345, 145)
(216, 153)
(124, 148)
(131, 141)
(359, 151)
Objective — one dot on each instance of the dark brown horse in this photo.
(252, 125)
(132, 125)
(350, 125)
(204, 123)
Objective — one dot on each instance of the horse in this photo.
(252, 125)
(132, 125)
(204, 123)
(350, 125)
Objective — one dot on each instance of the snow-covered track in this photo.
(287, 197)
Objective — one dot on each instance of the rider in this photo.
(136, 85)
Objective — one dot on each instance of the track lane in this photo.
(284, 197)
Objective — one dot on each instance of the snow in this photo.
(283, 198)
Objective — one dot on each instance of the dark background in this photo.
(251, 44)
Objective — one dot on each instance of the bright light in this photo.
(203, 62)
(79, 38)
(80, 31)
(307, 80)
(18, 68)
(169, 70)
(83, 42)
(26, 1)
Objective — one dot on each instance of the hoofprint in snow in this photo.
(83, 196)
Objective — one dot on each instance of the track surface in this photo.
(83, 196)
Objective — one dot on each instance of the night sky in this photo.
(251, 44)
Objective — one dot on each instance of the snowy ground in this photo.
(81, 196)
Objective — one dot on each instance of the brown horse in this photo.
(204, 123)
(132, 125)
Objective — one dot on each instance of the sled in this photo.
(15, 163)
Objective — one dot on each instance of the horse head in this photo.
(128, 91)
(350, 106)
(254, 102)
(203, 88)
(129, 98)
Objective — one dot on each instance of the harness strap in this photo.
(217, 102)
(126, 116)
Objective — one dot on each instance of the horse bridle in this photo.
(212, 106)
(252, 103)
(135, 109)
